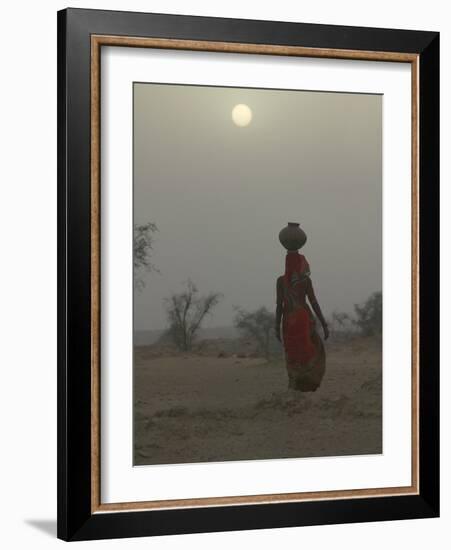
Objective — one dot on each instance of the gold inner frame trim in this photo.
(97, 41)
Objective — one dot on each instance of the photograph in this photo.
(248, 272)
(226, 263)
(257, 274)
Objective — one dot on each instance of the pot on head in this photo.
(292, 237)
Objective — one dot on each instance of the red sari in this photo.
(304, 349)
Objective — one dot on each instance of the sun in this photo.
(241, 115)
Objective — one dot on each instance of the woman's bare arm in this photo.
(315, 306)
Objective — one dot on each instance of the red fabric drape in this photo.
(297, 323)
(294, 262)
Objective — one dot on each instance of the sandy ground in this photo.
(190, 408)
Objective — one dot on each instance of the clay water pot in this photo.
(292, 237)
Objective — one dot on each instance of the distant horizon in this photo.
(212, 326)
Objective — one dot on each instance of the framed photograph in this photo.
(248, 274)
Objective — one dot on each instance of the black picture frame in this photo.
(76, 521)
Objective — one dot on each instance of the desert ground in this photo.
(214, 405)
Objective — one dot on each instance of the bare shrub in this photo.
(186, 312)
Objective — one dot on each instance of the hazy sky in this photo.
(220, 194)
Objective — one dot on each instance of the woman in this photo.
(304, 349)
